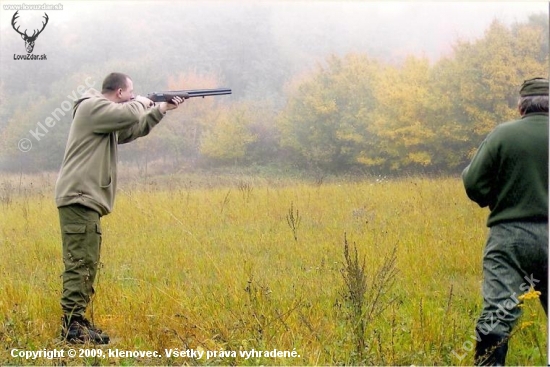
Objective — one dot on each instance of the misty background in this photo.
(264, 51)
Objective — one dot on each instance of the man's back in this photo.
(510, 171)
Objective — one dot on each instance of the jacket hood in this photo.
(90, 93)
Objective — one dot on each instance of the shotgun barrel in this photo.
(168, 95)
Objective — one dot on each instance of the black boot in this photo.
(491, 350)
(78, 330)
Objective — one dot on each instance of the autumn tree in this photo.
(401, 118)
(326, 118)
(413, 117)
(477, 87)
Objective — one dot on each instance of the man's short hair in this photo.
(114, 81)
(533, 104)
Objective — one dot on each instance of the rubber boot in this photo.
(491, 350)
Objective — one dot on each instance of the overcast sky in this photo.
(312, 28)
(462, 18)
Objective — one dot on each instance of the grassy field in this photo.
(253, 272)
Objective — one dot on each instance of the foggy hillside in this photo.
(259, 49)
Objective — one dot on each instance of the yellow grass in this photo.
(219, 269)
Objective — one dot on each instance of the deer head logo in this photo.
(29, 40)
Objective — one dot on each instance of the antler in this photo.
(34, 34)
(43, 26)
(15, 16)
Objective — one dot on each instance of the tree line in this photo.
(353, 112)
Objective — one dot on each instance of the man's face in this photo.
(127, 94)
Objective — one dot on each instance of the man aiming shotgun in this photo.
(86, 187)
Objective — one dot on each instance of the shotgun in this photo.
(168, 95)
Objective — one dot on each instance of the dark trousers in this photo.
(515, 260)
(81, 235)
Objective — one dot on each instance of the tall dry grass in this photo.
(256, 264)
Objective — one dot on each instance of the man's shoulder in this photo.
(509, 124)
(505, 128)
(521, 124)
(523, 129)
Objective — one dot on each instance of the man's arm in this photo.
(107, 116)
(145, 124)
(480, 175)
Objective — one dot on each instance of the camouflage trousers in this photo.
(515, 260)
(81, 235)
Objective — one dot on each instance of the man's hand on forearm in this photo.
(165, 106)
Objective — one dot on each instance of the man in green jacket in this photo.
(509, 174)
(86, 187)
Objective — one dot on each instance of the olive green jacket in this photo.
(509, 172)
(88, 175)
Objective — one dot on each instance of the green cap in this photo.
(534, 87)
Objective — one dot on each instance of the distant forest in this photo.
(348, 112)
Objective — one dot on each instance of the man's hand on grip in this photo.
(145, 101)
